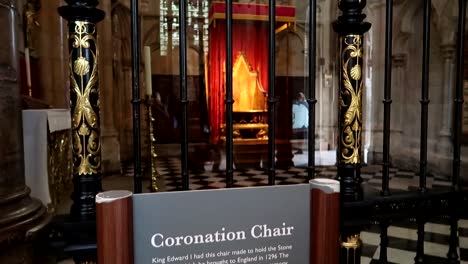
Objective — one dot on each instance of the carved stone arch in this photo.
(409, 41)
(121, 25)
(409, 9)
(121, 28)
(403, 24)
(290, 54)
(196, 48)
(447, 21)
(444, 18)
(298, 33)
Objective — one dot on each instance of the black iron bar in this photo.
(387, 98)
(183, 93)
(271, 92)
(424, 124)
(383, 259)
(425, 96)
(452, 254)
(229, 101)
(459, 100)
(136, 101)
(420, 244)
(312, 99)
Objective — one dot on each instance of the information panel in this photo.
(226, 226)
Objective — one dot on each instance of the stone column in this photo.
(448, 54)
(122, 79)
(398, 84)
(52, 52)
(109, 135)
(18, 212)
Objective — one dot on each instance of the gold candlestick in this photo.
(149, 100)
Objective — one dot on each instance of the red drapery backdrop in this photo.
(249, 38)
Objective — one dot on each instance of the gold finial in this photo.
(353, 241)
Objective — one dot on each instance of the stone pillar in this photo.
(398, 84)
(52, 52)
(448, 54)
(122, 78)
(109, 135)
(18, 212)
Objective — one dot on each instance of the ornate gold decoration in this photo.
(262, 134)
(262, 129)
(152, 138)
(81, 66)
(352, 242)
(356, 72)
(81, 36)
(236, 134)
(351, 100)
(84, 99)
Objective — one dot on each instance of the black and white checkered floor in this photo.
(402, 236)
(170, 170)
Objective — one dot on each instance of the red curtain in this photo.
(249, 38)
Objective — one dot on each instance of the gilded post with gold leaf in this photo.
(82, 17)
(149, 101)
(350, 115)
(351, 27)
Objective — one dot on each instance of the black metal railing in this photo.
(424, 125)
(361, 207)
(386, 137)
(452, 255)
(183, 93)
(311, 84)
(271, 92)
(229, 100)
(387, 97)
(425, 96)
(136, 101)
(351, 28)
(459, 94)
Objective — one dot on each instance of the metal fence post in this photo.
(351, 27)
(82, 17)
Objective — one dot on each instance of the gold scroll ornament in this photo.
(351, 99)
(352, 243)
(85, 119)
(152, 137)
